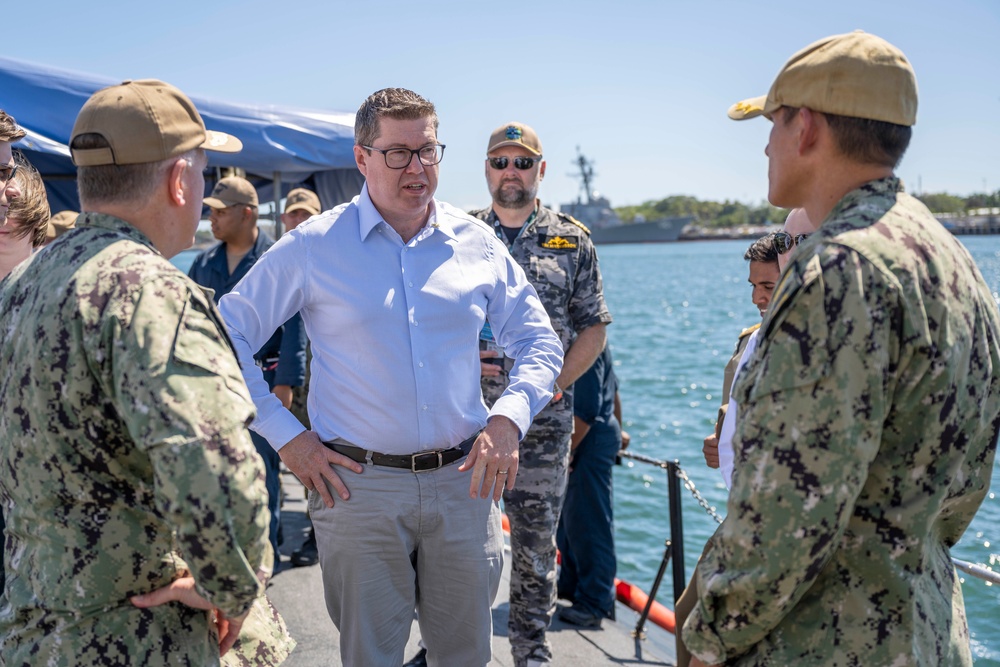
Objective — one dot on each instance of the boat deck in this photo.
(298, 595)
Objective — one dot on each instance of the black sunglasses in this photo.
(522, 163)
(783, 241)
(8, 172)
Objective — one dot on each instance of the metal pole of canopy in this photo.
(278, 227)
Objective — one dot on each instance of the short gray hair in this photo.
(113, 183)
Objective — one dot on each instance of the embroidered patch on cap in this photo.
(746, 107)
(513, 132)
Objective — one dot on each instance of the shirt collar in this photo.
(369, 218)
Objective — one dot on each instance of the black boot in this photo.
(307, 554)
(419, 660)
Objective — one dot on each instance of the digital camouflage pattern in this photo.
(264, 640)
(560, 261)
(124, 457)
(864, 446)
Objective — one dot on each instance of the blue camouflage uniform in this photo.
(559, 259)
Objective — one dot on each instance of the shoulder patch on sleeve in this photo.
(568, 218)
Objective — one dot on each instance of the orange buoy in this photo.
(635, 598)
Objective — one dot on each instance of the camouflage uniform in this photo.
(865, 442)
(559, 259)
(124, 457)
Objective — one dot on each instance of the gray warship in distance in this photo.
(605, 226)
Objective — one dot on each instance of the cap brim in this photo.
(221, 142)
(747, 109)
(513, 143)
(302, 207)
(215, 203)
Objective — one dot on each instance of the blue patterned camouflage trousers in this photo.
(533, 508)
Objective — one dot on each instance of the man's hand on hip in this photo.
(312, 462)
(488, 369)
(493, 459)
(183, 590)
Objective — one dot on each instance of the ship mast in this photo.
(586, 175)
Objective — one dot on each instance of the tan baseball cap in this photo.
(857, 75)
(144, 121)
(302, 199)
(515, 134)
(60, 223)
(231, 191)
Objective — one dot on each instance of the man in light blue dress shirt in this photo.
(394, 288)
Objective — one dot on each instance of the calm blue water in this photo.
(678, 309)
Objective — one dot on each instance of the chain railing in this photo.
(675, 546)
(700, 499)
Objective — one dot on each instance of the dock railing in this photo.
(674, 545)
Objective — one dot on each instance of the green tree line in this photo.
(734, 213)
(946, 203)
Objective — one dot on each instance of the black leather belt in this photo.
(419, 462)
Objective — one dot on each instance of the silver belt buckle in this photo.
(433, 452)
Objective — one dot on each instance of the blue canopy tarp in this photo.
(296, 146)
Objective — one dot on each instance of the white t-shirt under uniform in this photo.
(726, 452)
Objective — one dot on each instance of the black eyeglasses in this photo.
(7, 173)
(522, 163)
(400, 158)
(783, 241)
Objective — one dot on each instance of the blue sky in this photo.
(641, 87)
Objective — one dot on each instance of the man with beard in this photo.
(558, 256)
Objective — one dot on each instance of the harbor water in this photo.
(678, 308)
